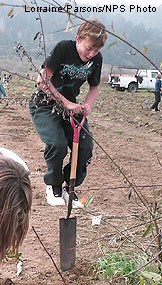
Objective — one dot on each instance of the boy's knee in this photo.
(61, 147)
(56, 148)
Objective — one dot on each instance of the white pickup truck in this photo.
(133, 80)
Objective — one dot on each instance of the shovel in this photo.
(68, 225)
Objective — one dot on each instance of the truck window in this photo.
(153, 74)
(142, 74)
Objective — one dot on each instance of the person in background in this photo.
(157, 90)
(15, 201)
(6, 79)
(68, 66)
(2, 91)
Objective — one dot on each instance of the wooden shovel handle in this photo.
(76, 135)
(74, 160)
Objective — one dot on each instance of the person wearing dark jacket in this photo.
(2, 91)
(157, 90)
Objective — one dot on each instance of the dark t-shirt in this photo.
(70, 72)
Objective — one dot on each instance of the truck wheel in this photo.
(132, 87)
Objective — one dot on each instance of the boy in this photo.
(67, 67)
(15, 201)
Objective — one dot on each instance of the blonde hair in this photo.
(95, 31)
(15, 205)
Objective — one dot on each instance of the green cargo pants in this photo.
(57, 134)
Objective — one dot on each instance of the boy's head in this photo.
(15, 205)
(91, 36)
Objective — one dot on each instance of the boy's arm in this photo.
(89, 100)
(44, 83)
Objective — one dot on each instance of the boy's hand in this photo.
(83, 109)
(74, 108)
(86, 109)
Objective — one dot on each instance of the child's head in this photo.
(15, 205)
(91, 36)
(94, 31)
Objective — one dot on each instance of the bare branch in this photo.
(49, 256)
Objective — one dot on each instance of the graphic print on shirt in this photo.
(77, 72)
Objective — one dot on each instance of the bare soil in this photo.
(127, 150)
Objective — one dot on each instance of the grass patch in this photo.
(116, 265)
(122, 268)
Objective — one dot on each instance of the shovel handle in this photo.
(76, 134)
(76, 129)
(74, 161)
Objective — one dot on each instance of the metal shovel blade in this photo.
(67, 243)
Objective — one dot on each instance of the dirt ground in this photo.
(127, 149)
